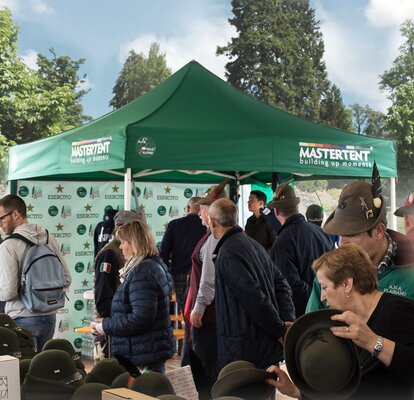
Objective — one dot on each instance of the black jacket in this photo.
(297, 245)
(108, 262)
(252, 302)
(259, 230)
(179, 241)
(140, 326)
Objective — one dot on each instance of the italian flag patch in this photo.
(105, 267)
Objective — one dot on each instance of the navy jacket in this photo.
(140, 326)
(179, 241)
(297, 245)
(252, 302)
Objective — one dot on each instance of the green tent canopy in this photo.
(196, 127)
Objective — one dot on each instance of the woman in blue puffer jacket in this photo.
(140, 326)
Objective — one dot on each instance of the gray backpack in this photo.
(42, 281)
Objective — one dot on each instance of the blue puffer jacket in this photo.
(140, 326)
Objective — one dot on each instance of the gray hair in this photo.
(224, 211)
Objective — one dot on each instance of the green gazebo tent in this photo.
(196, 127)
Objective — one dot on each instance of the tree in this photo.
(278, 57)
(333, 111)
(34, 104)
(366, 121)
(398, 82)
(139, 75)
(59, 72)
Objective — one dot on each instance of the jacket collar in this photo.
(230, 232)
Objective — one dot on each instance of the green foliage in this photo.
(35, 103)
(139, 75)
(398, 82)
(278, 58)
(366, 121)
(333, 112)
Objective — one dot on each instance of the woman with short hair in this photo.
(140, 326)
(380, 324)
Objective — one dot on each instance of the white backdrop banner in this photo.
(70, 212)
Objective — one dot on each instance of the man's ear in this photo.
(379, 231)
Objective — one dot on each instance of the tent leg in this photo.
(127, 189)
(393, 204)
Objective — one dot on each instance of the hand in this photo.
(98, 320)
(195, 319)
(281, 339)
(357, 330)
(97, 329)
(282, 382)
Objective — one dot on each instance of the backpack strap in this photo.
(21, 237)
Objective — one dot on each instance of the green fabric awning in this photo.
(196, 127)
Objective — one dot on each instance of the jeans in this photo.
(180, 283)
(42, 328)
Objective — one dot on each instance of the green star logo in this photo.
(86, 246)
(85, 283)
(167, 190)
(59, 188)
(115, 189)
(30, 208)
(59, 227)
(88, 207)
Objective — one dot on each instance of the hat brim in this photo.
(304, 325)
(242, 377)
(405, 210)
(205, 201)
(344, 225)
(284, 203)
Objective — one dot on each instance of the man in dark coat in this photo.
(298, 244)
(253, 300)
(177, 245)
(256, 226)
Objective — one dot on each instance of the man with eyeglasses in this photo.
(13, 219)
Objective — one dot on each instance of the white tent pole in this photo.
(127, 189)
(393, 204)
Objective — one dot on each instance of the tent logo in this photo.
(93, 150)
(146, 147)
(334, 155)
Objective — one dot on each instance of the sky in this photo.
(361, 38)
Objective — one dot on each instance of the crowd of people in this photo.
(284, 288)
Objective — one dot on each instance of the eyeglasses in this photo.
(4, 216)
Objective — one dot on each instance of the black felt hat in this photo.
(9, 343)
(242, 379)
(89, 391)
(152, 384)
(105, 371)
(65, 345)
(322, 365)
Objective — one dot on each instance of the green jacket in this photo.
(395, 279)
